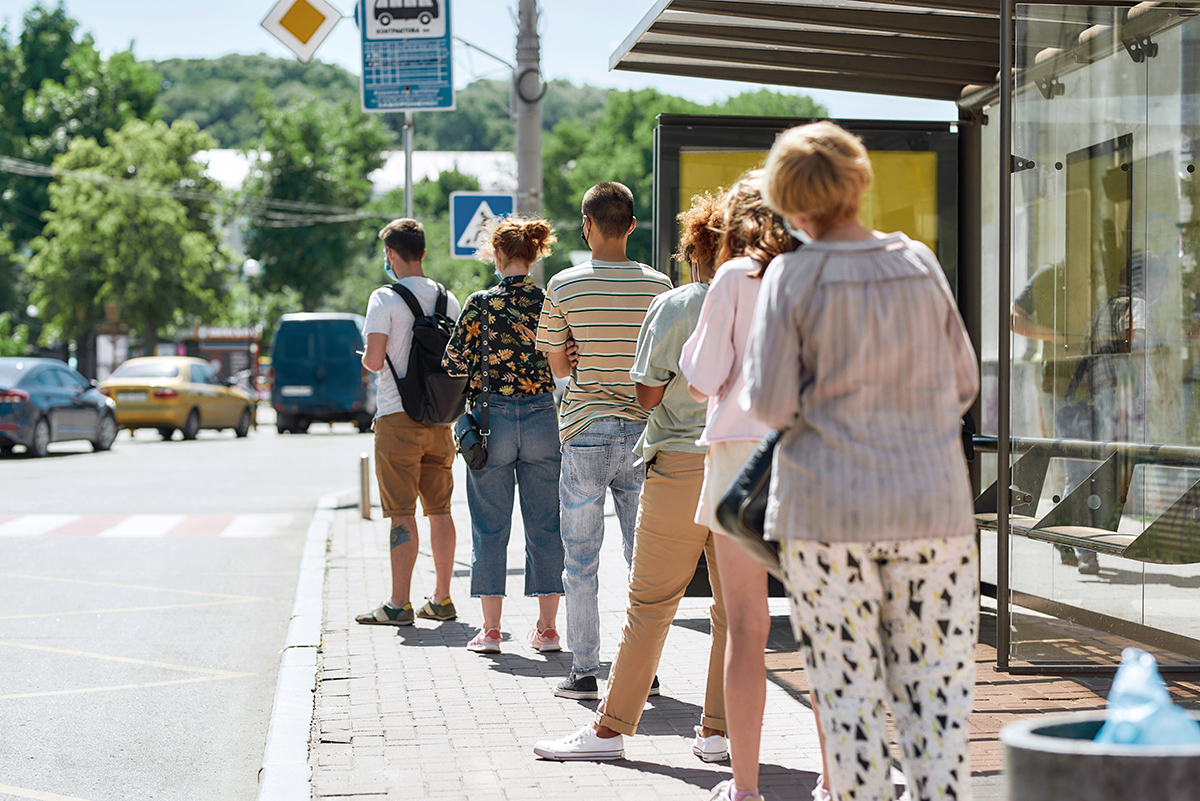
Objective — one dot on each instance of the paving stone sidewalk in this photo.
(409, 713)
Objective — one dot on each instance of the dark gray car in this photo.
(44, 401)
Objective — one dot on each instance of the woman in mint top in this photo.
(523, 446)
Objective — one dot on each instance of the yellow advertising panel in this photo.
(903, 196)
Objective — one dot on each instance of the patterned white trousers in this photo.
(894, 621)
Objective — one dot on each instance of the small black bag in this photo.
(1073, 420)
(743, 508)
(470, 435)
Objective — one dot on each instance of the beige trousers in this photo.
(666, 548)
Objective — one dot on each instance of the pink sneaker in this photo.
(485, 642)
(544, 640)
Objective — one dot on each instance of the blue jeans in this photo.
(599, 457)
(522, 453)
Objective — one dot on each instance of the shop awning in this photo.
(928, 49)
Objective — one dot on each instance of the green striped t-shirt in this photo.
(601, 304)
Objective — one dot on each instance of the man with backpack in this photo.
(414, 450)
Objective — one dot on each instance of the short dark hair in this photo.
(610, 205)
(406, 237)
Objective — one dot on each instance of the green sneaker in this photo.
(443, 611)
(388, 616)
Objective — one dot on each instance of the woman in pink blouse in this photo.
(752, 236)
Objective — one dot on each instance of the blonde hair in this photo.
(523, 239)
(820, 170)
(749, 227)
(699, 235)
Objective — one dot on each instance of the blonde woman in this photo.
(859, 350)
(752, 235)
(522, 448)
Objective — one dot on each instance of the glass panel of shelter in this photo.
(1104, 353)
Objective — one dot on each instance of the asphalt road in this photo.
(144, 599)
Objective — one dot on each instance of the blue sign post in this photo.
(406, 55)
(470, 214)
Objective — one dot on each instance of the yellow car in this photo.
(177, 392)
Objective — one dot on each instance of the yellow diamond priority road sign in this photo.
(302, 24)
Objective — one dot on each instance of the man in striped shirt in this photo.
(599, 307)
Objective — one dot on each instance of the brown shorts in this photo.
(411, 461)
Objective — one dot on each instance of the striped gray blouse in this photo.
(859, 347)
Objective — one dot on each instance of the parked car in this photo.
(177, 392)
(44, 401)
(317, 372)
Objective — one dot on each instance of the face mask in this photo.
(387, 268)
(802, 236)
(583, 233)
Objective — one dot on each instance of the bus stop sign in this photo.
(406, 64)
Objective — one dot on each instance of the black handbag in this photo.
(1073, 420)
(470, 435)
(743, 508)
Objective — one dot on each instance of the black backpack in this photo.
(430, 395)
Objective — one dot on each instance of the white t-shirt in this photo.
(388, 313)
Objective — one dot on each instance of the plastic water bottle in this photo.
(1140, 710)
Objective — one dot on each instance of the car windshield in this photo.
(146, 370)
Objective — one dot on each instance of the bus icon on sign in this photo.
(425, 11)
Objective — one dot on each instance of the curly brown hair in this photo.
(699, 235)
(520, 238)
(750, 227)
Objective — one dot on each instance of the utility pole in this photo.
(527, 113)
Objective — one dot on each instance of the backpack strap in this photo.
(410, 299)
(439, 306)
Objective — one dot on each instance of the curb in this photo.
(285, 774)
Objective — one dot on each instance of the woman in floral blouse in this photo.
(523, 445)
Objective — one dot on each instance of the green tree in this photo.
(14, 337)
(766, 103)
(311, 153)
(118, 232)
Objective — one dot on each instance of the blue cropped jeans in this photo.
(598, 458)
(523, 455)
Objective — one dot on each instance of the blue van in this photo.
(317, 372)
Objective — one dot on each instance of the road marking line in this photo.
(86, 526)
(36, 795)
(144, 686)
(121, 609)
(201, 526)
(144, 526)
(257, 525)
(33, 525)
(126, 659)
(135, 587)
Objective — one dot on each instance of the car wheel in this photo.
(106, 433)
(385, 19)
(6, 450)
(425, 19)
(300, 426)
(40, 445)
(166, 433)
(191, 426)
(364, 425)
(243, 426)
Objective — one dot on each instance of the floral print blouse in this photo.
(516, 367)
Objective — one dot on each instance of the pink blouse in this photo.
(712, 357)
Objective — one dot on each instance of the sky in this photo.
(578, 38)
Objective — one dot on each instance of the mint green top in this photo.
(678, 421)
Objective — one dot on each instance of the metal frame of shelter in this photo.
(958, 50)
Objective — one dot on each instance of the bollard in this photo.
(364, 486)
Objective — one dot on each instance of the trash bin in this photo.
(1054, 758)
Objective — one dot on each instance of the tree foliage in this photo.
(314, 153)
(117, 233)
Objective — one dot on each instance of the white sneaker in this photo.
(725, 790)
(819, 793)
(710, 749)
(583, 744)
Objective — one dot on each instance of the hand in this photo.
(572, 352)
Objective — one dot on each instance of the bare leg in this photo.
(441, 542)
(403, 557)
(491, 611)
(547, 611)
(744, 587)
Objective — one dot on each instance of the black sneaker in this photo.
(654, 687)
(580, 688)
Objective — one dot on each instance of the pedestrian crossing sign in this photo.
(471, 213)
